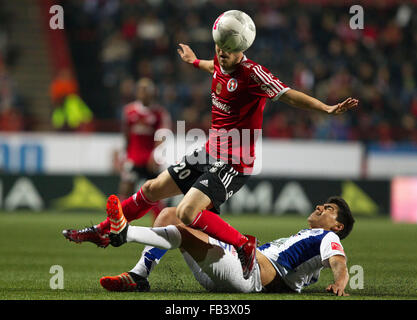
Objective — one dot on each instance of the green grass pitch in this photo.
(30, 243)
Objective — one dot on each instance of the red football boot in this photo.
(90, 234)
(126, 281)
(247, 255)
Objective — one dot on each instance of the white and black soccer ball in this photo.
(234, 31)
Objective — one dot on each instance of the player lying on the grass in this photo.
(282, 265)
(211, 175)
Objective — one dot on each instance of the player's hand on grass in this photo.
(344, 106)
(186, 53)
(337, 290)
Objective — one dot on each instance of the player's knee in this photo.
(186, 213)
(166, 217)
(149, 189)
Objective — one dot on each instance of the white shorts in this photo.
(221, 270)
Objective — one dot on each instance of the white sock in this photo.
(168, 237)
(148, 261)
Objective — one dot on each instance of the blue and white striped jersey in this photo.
(300, 258)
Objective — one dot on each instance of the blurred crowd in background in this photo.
(310, 47)
(12, 104)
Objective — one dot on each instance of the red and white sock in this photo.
(117, 225)
(134, 207)
(216, 227)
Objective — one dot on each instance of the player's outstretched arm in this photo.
(189, 56)
(301, 100)
(340, 274)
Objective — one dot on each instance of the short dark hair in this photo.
(344, 215)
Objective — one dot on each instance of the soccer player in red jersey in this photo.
(140, 120)
(211, 175)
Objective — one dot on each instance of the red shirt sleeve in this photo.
(263, 83)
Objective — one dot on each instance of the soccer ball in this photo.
(234, 31)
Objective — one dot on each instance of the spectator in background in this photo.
(69, 110)
(377, 64)
(126, 95)
(11, 117)
(63, 85)
(115, 56)
(278, 127)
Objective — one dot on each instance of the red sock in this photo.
(134, 207)
(216, 227)
(156, 210)
(104, 226)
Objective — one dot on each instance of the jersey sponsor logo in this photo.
(268, 81)
(262, 85)
(232, 85)
(269, 92)
(337, 246)
(222, 106)
(218, 88)
(216, 166)
(255, 78)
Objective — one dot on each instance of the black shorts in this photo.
(216, 179)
